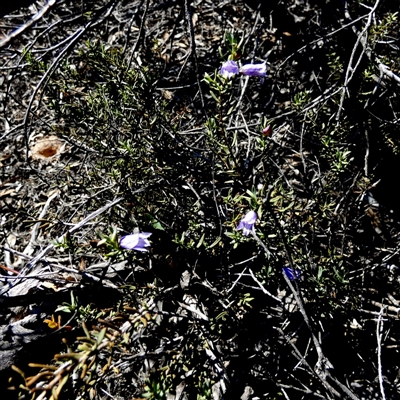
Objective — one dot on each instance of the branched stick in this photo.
(351, 69)
(25, 26)
(263, 288)
(362, 39)
(368, 51)
(50, 247)
(303, 361)
(323, 365)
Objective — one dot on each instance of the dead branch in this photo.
(379, 326)
(25, 26)
(8, 289)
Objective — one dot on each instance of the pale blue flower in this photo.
(136, 241)
(292, 274)
(254, 70)
(229, 69)
(247, 223)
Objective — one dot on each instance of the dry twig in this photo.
(25, 26)
(8, 289)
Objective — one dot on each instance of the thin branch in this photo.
(140, 35)
(323, 364)
(50, 247)
(304, 362)
(25, 26)
(263, 288)
(379, 325)
(54, 65)
(351, 69)
(362, 39)
(193, 51)
(35, 231)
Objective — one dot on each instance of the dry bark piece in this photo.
(47, 149)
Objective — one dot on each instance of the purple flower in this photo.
(136, 241)
(255, 70)
(229, 69)
(247, 223)
(292, 274)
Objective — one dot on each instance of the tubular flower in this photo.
(255, 70)
(247, 223)
(229, 69)
(292, 274)
(136, 241)
(267, 130)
